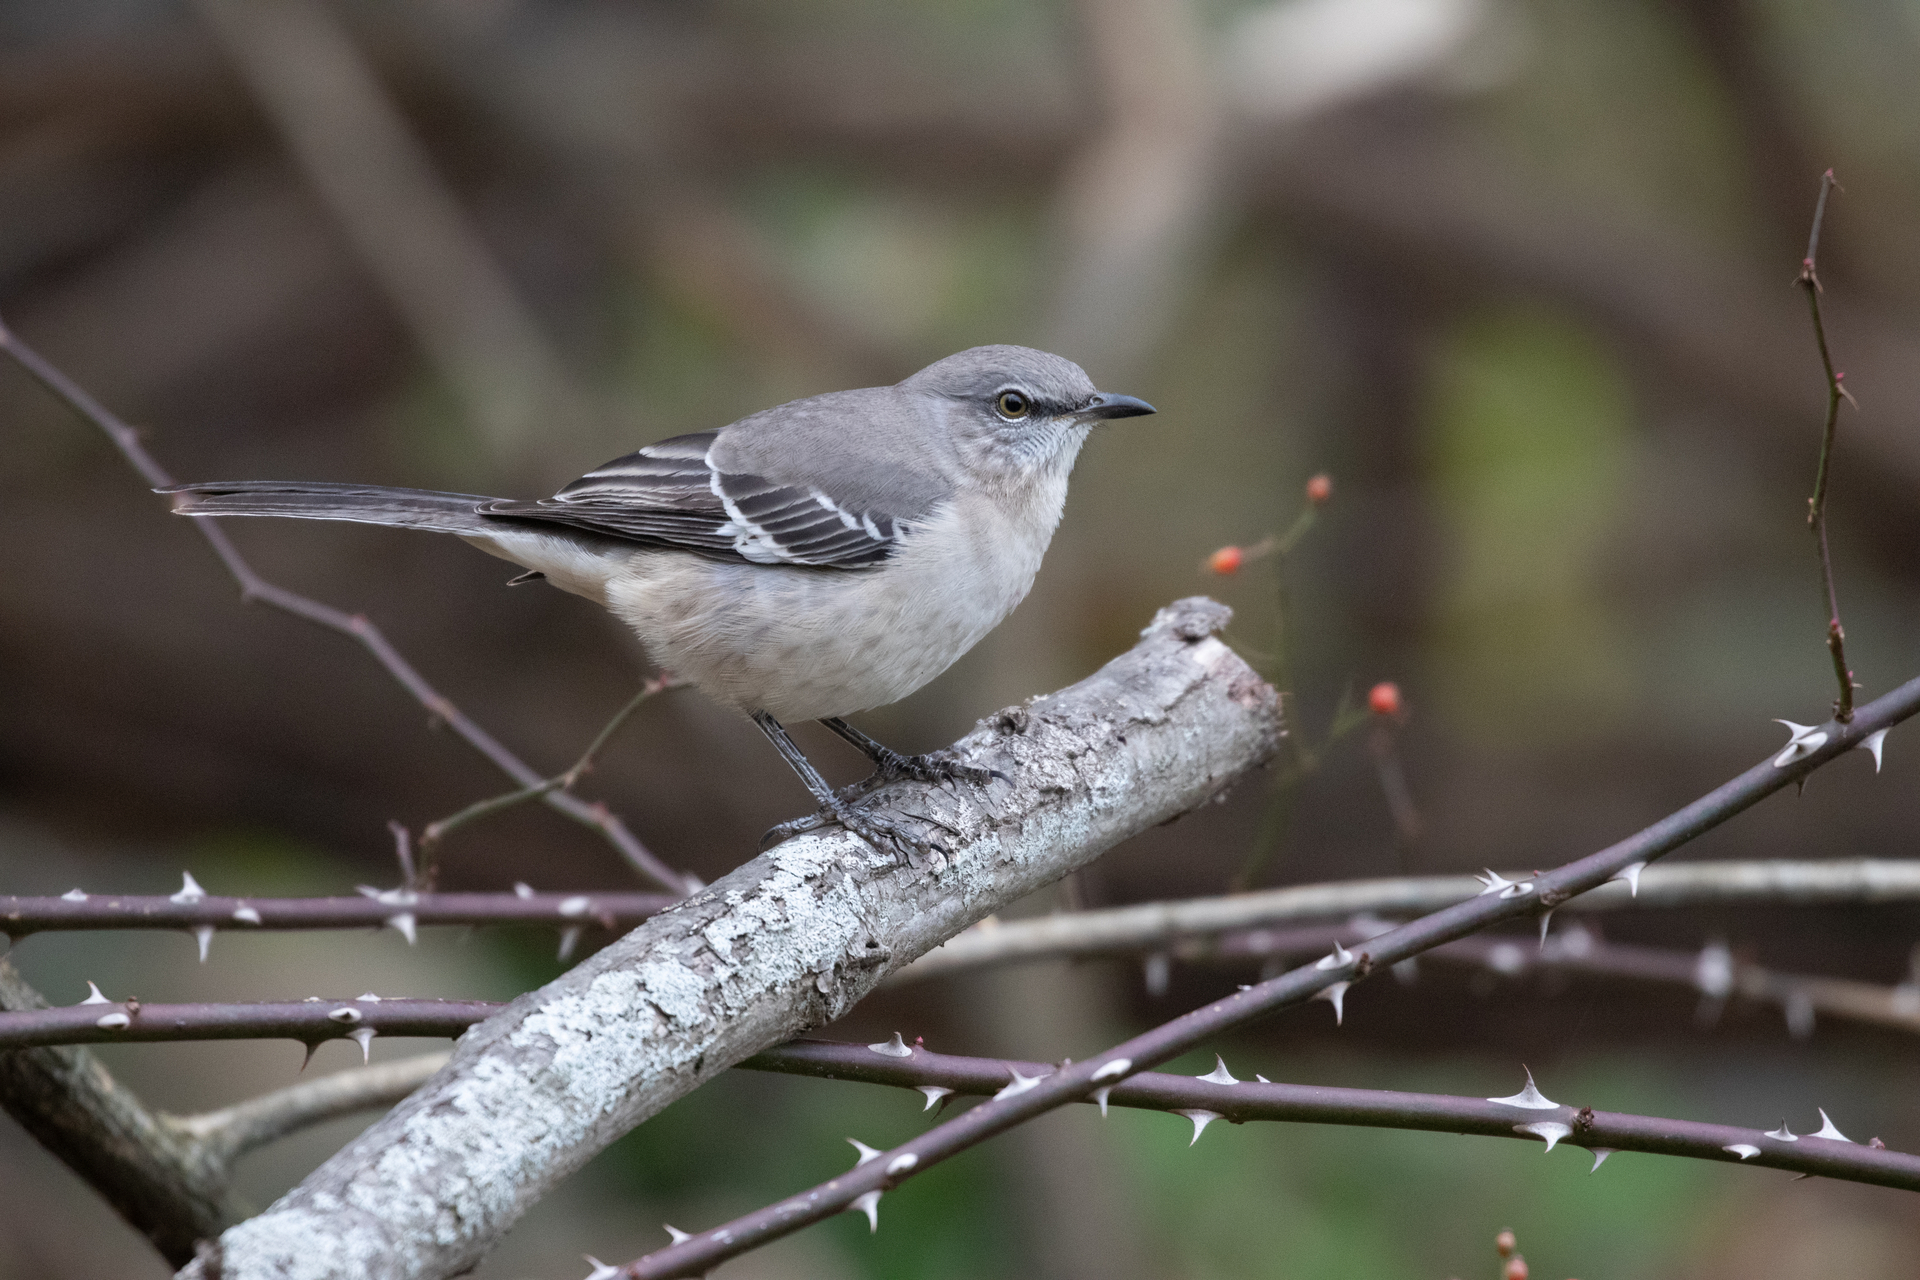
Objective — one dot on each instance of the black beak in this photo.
(1106, 407)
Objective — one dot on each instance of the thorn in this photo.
(1873, 742)
(113, 1022)
(404, 923)
(1549, 1131)
(1745, 1150)
(569, 939)
(601, 1270)
(678, 1236)
(934, 1093)
(346, 1015)
(190, 890)
(894, 1048)
(866, 1152)
(312, 1047)
(94, 997)
(1219, 1074)
(522, 890)
(1631, 874)
(1530, 1097)
(246, 915)
(203, 934)
(1546, 918)
(1262, 1079)
(1340, 958)
(1829, 1131)
(1494, 882)
(1805, 739)
(1600, 1155)
(363, 1036)
(869, 1204)
(1201, 1119)
(901, 1163)
(1784, 1134)
(1100, 1096)
(1018, 1085)
(1114, 1070)
(1335, 995)
(75, 894)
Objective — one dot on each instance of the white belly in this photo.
(803, 644)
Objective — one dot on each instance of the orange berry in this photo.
(1384, 700)
(1516, 1268)
(1319, 489)
(1226, 560)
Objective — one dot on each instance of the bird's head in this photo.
(1018, 413)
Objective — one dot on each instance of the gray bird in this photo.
(806, 562)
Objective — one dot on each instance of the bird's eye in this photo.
(1013, 404)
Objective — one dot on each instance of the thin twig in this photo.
(231, 1132)
(1817, 505)
(1156, 926)
(255, 588)
(1333, 975)
(437, 831)
(1203, 1099)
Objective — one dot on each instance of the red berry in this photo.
(1384, 699)
(1226, 560)
(1516, 1268)
(1504, 1244)
(1319, 489)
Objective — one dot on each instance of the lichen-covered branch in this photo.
(160, 1180)
(787, 942)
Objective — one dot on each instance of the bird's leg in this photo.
(871, 827)
(890, 766)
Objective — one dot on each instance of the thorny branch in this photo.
(194, 911)
(1218, 1096)
(1333, 975)
(1817, 505)
(253, 587)
(1714, 971)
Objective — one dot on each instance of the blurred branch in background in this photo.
(357, 150)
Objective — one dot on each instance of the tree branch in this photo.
(168, 1187)
(1158, 925)
(1218, 1096)
(788, 941)
(233, 1131)
(1500, 900)
(394, 908)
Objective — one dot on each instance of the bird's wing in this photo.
(671, 494)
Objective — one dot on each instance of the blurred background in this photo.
(1517, 274)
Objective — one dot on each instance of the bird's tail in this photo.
(367, 504)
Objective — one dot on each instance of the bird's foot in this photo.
(891, 766)
(884, 833)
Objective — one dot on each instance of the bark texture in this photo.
(785, 943)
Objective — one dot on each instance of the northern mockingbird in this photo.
(806, 562)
